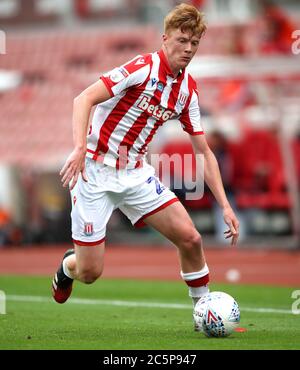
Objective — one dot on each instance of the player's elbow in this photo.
(82, 100)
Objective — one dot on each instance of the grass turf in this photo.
(48, 325)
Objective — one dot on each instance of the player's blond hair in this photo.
(187, 18)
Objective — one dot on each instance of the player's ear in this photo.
(164, 37)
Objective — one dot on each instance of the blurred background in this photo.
(248, 73)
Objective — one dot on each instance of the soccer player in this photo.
(107, 168)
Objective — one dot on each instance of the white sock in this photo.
(196, 292)
(195, 300)
(65, 267)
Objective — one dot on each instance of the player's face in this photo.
(180, 47)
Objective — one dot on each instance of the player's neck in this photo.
(175, 71)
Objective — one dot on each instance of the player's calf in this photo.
(89, 276)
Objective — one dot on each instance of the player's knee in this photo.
(191, 241)
(89, 276)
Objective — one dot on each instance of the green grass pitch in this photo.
(130, 314)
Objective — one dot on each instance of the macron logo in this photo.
(140, 61)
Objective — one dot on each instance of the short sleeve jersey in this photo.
(144, 95)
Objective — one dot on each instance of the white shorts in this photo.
(138, 193)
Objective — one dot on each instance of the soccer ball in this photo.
(217, 314)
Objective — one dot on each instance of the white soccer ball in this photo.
(217, 314)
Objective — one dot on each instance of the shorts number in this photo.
(159, 187)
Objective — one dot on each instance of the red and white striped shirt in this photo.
(144, 95)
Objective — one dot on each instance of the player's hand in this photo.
(233, 223)
(75, 164)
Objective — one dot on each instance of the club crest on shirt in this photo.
(88, 229)
(182, 98)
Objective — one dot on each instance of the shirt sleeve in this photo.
(191, 118)
(129, 74)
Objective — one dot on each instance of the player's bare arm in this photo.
(83, 103)
(213, 179)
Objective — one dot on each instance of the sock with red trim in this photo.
(197, 283)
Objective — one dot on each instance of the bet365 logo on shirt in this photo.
(155, 110)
